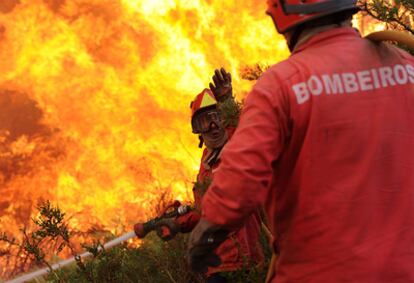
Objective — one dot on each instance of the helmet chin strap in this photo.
(200, 144)
(294, 38)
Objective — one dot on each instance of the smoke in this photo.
(7, 6)
(55, 5)
(19, 116)
(25, 143)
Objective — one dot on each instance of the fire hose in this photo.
(403, 38)
(140, 231)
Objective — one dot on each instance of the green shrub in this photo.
(154, 261)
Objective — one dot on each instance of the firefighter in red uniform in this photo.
(240, 250)
(326, 143)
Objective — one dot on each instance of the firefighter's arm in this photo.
(188, 221)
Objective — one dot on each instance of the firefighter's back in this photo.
(345, 183)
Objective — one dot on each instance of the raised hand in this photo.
(222, 88)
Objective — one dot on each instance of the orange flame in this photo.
(94, 99)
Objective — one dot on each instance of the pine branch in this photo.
(398, 14)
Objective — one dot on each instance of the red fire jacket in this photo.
(326, 142)
(242, 249)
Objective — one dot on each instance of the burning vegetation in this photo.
(94, 98)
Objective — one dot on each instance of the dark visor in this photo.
(201, 122)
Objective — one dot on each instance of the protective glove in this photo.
(204, 239)
(167, 229)
(222, 88)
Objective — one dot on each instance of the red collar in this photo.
(327, 37)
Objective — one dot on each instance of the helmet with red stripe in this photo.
(287, 14)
